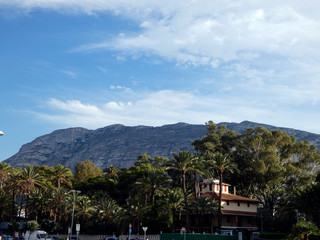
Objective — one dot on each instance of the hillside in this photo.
(121, 145)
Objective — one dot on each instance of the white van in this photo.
(37, 235)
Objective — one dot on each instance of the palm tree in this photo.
(86, 208)
(183, 162)
(155, 183)
(39, 203)
(302, 230)
(12, 189)
(61, 174)
(221, 163)
(174, 201)
(136, 211)
(112, 172)
(202, 206)
(58, 202)
(199, 164)
(108, 209)
(5, 170)
(27, 181)
(4, 206)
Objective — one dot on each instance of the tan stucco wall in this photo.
(243, 206)
(225, 189)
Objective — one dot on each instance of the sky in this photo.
(93, 63)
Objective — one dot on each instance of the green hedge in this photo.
(195, 236)
(273, 235)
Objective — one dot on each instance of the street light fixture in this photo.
(74, 201)
(1, 133)
(145, 231)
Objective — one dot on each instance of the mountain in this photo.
(121, 145)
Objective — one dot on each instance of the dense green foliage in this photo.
(269, 166)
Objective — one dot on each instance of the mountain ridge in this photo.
(121, 145)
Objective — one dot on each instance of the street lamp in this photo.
(145, 231)
(74, 201)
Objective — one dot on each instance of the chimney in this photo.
(234, 190)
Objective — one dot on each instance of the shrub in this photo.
(48, 225)
(31, 225)
(13, 226)
(273, 235)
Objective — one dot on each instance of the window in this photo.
(248, 204)
(210, 187)
(217, 188)
(238, 203)
(228, 202)
(228, 219)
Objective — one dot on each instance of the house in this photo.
(237, 212)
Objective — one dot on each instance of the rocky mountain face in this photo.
(121, 145)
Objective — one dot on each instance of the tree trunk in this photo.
(26, 208)
(196, 189)
(173, 222)
(186, 201)
(13, 204)
(220, 200)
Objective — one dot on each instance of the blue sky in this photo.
(93, 63)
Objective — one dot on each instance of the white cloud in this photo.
(168, 106)
(70, 73)
(202, 32)
(266, 53)
(112, 87)
(206, 32)
(75, 106)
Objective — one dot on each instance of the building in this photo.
(237, 212)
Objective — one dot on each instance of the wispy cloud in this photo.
(168, 106)
(70, 73)
(200, 33)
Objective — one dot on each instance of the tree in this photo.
(202, 206)
(30, 226)
(272, 168)
(27, 181)
(87, 169)
(302, 230)
(199, 164)
(39, 203)
(85, 209)
(58, 203)
(154, 183)
(112, 172)
(5, 170)
(174, 202)
(183, 162)
(218, 139)
(221, 163)
(60, 175)
(109, 212)
(136, 211)
(4, 206)
(143, 159)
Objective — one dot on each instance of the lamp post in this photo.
(145, 231)
(74, 202)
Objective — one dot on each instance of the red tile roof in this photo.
(228, 197)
